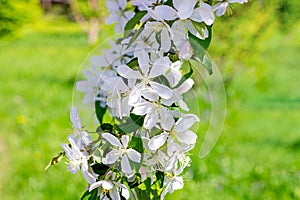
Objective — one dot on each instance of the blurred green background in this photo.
(257, 49)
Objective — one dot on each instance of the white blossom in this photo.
(78, 160)
(221, 7)
(146, 75)
(180, 133)
(109, 188)
(121, 151)
(118, 14)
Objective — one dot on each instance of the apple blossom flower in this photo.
(180, 133)
(173, 181)
(221, 7)
(185, 9)
(78, 160)
(76, 123)
(118, 14)
(121, 151)
(115, 88)
(146, 77)
(110, 190)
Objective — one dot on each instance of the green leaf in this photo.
(162, 80)
(184, 77)
(195, 42)
(131, 124)
(100, 169)
(207, 63)
(160, 177)
(105, 127)
(145, 189)
(132, 22)
(135, 36)
(100, 111)
(206, 42)
(90, 195)
(132, 63)
(199, 52)
(136, 143)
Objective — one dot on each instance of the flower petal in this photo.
(126, 72)
(177, 183)
(143, 60)
(166, 12)
(134, 155)
(135, 94)
(166, 119)
(125, 165)
(114, 194)
(157, 141)
(203, 14)
(160, 67)
(150, 120)
(75, 118)
(125, 140)
(165, 43)
(150, 94)
(188, 137)
(185, 7)
(142, 108)
(112, 139)
(111, 157)
(185, 123)
(162, 90)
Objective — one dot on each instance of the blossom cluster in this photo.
(140, 83)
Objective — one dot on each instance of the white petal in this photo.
(90, 178)
(186, 86)
(126, 72)
(125, 165)
(107, 185)
(150, 94)
(112, 157)
(166, 12)
(188, 137)
(165, 41)
(166, 119)
(99, 61)
(157, 141)
(112, 139)
(186, 51)
(203, 14)
(75, 118)
(172, 147)
(125, 193)
(142, 108)
(150, 120)
(220, 8)
(135, 94)
(114, 194)
(162, 90)
(177, 183)
(95, 185)
(125, 140)
(185, 8)
(185, 123)
(160, 67)
(134, 155)
(83, 86)
(154, 15)
(143, 60)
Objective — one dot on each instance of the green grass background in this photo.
(257, 156)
